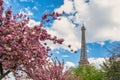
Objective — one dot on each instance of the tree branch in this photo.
(1, 69)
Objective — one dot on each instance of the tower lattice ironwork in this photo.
(83, 56)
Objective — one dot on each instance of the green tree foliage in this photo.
(111, 66)
(111, 69)
(88, 72)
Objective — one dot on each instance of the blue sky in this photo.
(100, 18)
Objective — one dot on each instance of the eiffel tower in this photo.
(83, 56)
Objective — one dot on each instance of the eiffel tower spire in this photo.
(83, 56)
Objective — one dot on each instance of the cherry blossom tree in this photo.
(21, 50)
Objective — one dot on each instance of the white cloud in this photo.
(7, 2)
(65, 29)
(52, 45)
(26, 0)
(101, 43)
(65, 56)
(96, 61)
(33, 23)
(26, 11)
(101, 18)
(35, 8)
(67, 7)
(57, 52)
(68, 65)
(23, 0)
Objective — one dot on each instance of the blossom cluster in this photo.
(21, 48)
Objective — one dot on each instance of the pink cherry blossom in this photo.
(22, 51)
